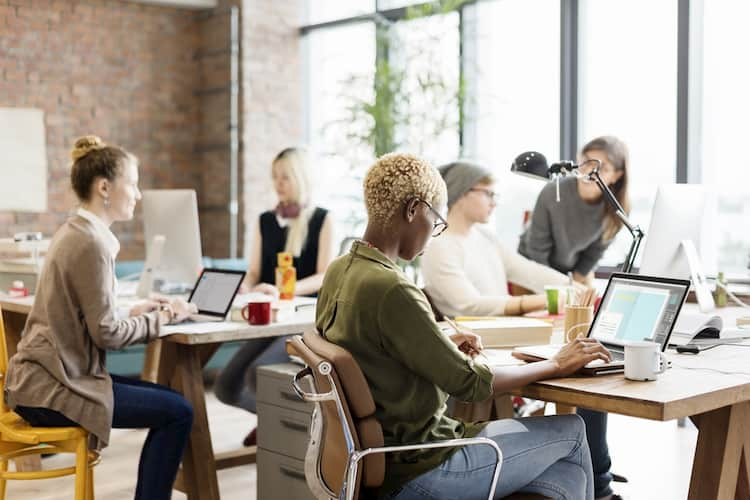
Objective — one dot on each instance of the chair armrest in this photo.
(448, 443)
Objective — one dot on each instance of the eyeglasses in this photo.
(493, 196)
(440, 224)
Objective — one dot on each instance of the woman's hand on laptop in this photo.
(578, 353)
(143, 307)
(181, 309)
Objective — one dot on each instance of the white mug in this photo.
(644, 360)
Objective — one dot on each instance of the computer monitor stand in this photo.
(153, 259)
(700, 283)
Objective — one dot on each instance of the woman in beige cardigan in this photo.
(58, 376)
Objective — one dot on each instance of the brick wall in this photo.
(271, 107)
(119, 70)
(154, 80)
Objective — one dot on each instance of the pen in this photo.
(466, 347)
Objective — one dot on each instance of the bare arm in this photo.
(312, 284)
(571, 358)
(253, 271)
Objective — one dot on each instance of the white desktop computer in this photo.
(173, 214)
(680, 241)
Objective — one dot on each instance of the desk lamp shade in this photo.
(531, 164)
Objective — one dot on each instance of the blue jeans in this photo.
(140, 405)
(542, 455)
(237, 384)
(596, 435)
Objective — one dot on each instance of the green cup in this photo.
(553, 298)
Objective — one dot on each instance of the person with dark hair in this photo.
(571, 235)
(369, 307)
(58, 376)
(294, 226)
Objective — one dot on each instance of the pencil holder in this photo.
(577, 321)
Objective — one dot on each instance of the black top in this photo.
(273, 239)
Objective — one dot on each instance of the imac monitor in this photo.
(680, 243)
(173, 213)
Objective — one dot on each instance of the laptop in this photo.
(633, 307)
(214, 293)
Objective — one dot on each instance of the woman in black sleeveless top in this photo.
(304, 231)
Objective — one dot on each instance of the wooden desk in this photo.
(713, 389)
(183, 356)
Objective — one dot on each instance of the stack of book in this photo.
(508, 331)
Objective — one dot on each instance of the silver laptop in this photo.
(633, 307)
(214, 293)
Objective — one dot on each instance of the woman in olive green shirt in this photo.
(369, 307)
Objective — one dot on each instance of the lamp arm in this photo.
(635, 231)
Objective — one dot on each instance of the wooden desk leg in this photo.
(14, 323)
(151, 358)
(721, 466)
(198, 462)
(562, 409)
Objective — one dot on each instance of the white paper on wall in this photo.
(23, 160)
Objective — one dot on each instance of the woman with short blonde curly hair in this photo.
(370, 308)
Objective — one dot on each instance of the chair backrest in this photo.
(3, 364)
(348, 418)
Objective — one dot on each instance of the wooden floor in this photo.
(655, 456)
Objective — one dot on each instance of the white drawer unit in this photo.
(283, 433)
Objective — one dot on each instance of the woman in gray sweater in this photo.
(58, 376)
(571, 235)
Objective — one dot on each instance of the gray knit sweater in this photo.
(565, 235)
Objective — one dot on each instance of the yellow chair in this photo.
(19, 439)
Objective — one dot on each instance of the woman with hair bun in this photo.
(58, 376)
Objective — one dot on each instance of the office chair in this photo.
(18, 439)
(346, 449)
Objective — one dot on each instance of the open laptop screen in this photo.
(638, 308)
(215, 291)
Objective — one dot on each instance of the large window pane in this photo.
(426, 50)
(515, 103)
(319, 11)
(726, 106)
(341, 64)
(628, 88)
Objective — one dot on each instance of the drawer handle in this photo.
(292, 473)
(290, 396)
(294, 425)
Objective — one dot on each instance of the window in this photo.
(726, 106)
(319, 11)
(628, 88)
(427, 50)
(341, 64)
(514, 104)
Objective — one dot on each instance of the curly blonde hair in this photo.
(396, 177)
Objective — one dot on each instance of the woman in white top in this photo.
(466, 271)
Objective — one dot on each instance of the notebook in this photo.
(633, 307)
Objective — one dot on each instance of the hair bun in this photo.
(84, 145)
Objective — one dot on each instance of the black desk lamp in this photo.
(533, 164)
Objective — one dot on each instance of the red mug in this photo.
(257, 313)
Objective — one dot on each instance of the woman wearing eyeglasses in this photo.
(571, 235)
(466, 271)
(370, 308)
